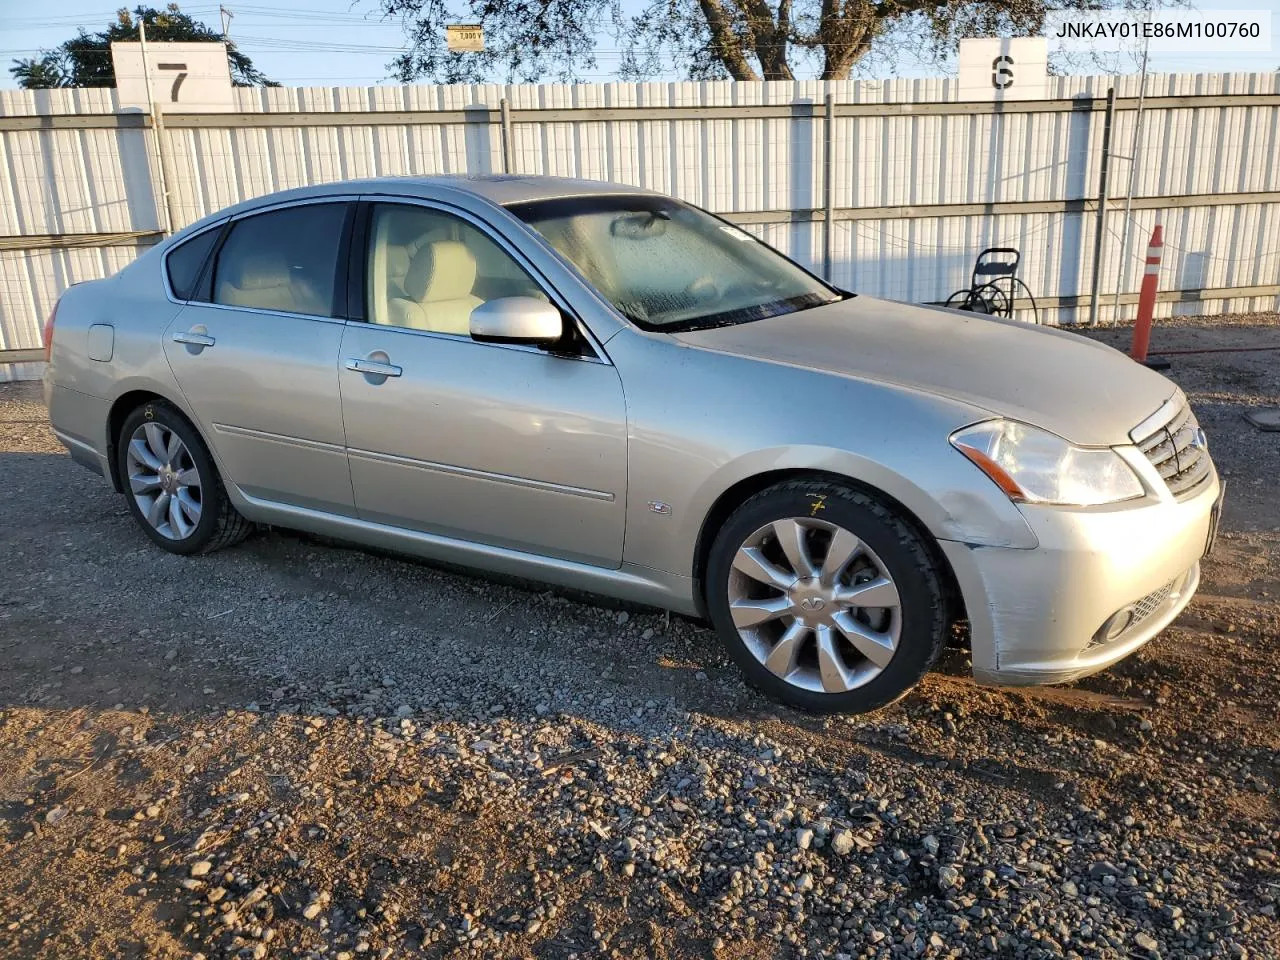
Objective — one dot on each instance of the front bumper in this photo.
(1037, 616)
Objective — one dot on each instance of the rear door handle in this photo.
(193, 339)
(374, 368)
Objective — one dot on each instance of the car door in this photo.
(501, 444)
(256, 353)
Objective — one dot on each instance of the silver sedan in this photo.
(611, 390)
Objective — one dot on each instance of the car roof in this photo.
(512, 188)
(496, 189)
(499, 189)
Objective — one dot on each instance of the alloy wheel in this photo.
(814, 604)
(164, 481)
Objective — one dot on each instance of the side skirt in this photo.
(630, 582)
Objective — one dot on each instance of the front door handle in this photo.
(194, 338)
(375, 368)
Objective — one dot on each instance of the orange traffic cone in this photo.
(1147, 303)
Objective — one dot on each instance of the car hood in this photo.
(1079, 389)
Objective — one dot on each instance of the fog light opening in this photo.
(1114, 625)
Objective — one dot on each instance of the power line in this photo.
(106, 17)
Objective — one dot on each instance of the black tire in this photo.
(220, 524)
(895, 542)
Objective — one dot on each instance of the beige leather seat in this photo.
(398, 258)
(438, 289)
(263, 281)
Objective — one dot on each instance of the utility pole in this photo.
(1135, 150)
(163, 211)
(1101, 220)
(226, 16)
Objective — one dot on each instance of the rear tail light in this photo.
(48, 333)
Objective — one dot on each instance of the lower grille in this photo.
(1177, 451)
(1139, 611)
(1152, 602)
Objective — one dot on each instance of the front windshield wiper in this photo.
(764, 311)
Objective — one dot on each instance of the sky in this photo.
(344, 43)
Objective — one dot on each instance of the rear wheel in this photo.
(171, 484)
(825, 597)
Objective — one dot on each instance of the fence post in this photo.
(828, 188)
(508, 148)
(1100, 222)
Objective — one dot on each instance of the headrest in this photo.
(256, 271)
(442, 270)
(398, 260)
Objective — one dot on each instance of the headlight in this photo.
(1039, 467)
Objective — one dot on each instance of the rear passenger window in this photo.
(185, 262)
(285, 260)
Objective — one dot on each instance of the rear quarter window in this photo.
(186, 261)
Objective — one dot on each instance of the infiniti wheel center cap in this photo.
(813, 603)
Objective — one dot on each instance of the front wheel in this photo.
(172, 486)
(825, 597)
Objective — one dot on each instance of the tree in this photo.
(43, 71)
(705, 39)
(85, 59)
(528, 40)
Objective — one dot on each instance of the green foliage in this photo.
(530, 40)
(527, 40)
(85, 59)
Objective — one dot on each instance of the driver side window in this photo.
(427, 270)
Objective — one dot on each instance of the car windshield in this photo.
(668, 266)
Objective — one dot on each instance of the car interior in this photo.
(282, 260)
(249, 276)
(428, 270)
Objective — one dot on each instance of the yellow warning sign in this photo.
(465, 37)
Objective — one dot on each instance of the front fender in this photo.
(703, 424)
(951, 503)
(951, 508)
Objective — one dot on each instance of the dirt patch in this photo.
(297, 749)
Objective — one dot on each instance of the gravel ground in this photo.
(297, 749)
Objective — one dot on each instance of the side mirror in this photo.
(517, 320)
